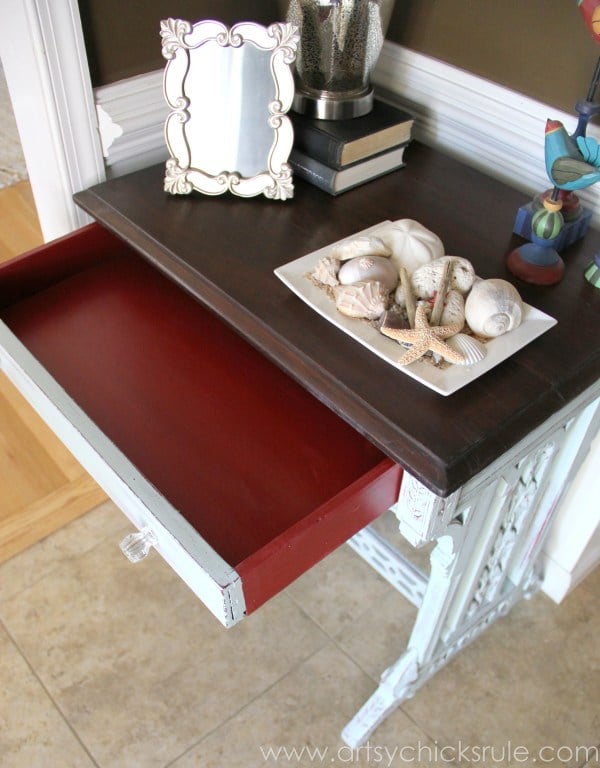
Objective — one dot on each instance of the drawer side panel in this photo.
(286, 558)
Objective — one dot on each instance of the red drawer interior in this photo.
(270, 477)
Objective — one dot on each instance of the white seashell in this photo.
(365, 268)
(493, 307)
(472, 349)
(368, 300)
(366, 245)
(454, 309)
(426, 279)
(326, 271)
(411, 244)
(399, 296)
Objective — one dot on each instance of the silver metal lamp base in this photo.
(333, 108)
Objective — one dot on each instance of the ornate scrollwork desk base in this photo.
(489, 538)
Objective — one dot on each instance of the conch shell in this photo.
(365, 299)
(365, 245)
(365, 268)
(493, 307)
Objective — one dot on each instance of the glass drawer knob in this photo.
(136, 546)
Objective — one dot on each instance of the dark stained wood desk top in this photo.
(224, 250)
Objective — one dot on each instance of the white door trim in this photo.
(48, 78)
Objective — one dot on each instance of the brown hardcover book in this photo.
(338, 143)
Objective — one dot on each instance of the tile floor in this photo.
(107, 664)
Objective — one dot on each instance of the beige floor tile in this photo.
(36, 562)
(336, 591)
(33, 733)
(147, 678)
(388, 525)
(595, 759)
(381, 635)
(532, 679)
(138, 666)
(298, 722)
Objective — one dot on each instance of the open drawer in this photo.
(240, 478)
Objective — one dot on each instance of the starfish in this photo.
(424, 338)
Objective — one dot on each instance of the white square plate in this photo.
(443, 380)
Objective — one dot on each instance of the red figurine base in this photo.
(536, 264)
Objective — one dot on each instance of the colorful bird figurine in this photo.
(570, 163)
(592, 273)
(554, 219)
(590, 10)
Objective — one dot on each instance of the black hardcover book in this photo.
(338, 143)
(337, 180)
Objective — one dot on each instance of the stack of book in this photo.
(337, 155)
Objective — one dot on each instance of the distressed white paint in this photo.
(488, 541)
(391, 564)
(214, 581)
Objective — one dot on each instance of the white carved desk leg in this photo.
(400, 681)
(489, 535)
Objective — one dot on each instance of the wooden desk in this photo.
(484, 468)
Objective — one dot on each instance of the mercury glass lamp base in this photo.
(328, 108)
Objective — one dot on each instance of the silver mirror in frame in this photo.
(229, 91)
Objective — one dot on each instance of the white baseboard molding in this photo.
(572, 549)
(487, 126)
(133, 115)
(559, 580)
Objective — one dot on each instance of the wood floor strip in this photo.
(42, 487)
(47, 514)
(36, 431)
(19, 227)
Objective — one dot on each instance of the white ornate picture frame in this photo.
(229, 91)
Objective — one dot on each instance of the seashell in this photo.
(454, 309)
(411, 244)
(471, 349)
(493, 307)
(363, 268)
(391, 318)
(426, 279)
(368, 300)
(366, 245)
(326, 271)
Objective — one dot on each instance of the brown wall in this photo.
(123, 37)
(541, 48)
